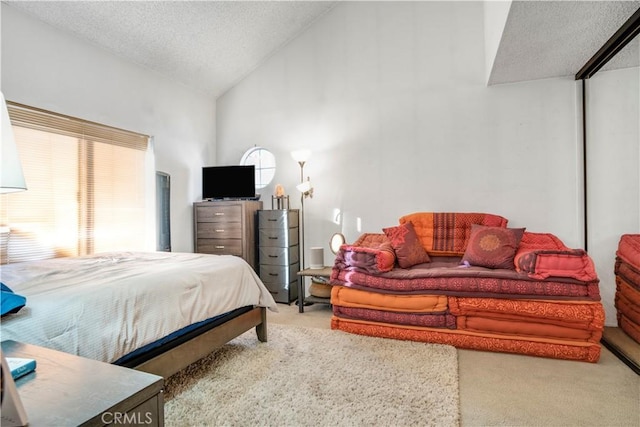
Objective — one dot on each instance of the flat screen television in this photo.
(228, 182)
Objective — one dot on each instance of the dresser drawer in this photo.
(219, 230)
(272, 255)
(227, 227)
(281, 238)
(283, 292)
(279, 274)
(219, 246)
(280, 219)
(232, 213)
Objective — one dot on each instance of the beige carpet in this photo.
(309, 376)
(498, 389)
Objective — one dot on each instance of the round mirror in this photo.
(264, 162)
(336, 241)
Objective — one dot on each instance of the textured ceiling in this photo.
(209, 45)
(544, 39)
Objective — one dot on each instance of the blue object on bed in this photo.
(11, 302)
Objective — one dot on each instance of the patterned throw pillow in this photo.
(492, 247)
(406, 245)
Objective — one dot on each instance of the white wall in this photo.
(391, 98)
(613, 165)
(47, 68)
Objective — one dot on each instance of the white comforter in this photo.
(107, 305)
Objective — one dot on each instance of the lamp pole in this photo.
(301, 163)
(301, 156)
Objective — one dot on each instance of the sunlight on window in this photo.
(85, 194)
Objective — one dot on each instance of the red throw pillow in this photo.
(492, 247)
(406, 245)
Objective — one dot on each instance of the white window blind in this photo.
(85, 188)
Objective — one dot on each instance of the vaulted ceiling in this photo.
(211, 45)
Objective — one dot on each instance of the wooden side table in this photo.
(311, 272)
(68, 390)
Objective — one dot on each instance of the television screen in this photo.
(228, 182)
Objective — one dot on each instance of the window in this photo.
(86, 188)
(264, 162)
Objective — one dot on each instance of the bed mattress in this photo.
(106, 306)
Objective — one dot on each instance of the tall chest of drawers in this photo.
(227, 228)
(279, 253)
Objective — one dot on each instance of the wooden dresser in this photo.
(227, 228)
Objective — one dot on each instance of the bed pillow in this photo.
(406, 245)
(492, 247)
(11, 302)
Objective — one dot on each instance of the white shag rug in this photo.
(317, 377)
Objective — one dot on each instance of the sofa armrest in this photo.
(541, 264)
(371, 253)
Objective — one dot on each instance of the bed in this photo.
(157, 312)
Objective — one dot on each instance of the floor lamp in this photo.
(306, 190)
(12, 411)
(11, 176)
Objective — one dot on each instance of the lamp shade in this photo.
(301, 156)
(11, 176)
(304, 187)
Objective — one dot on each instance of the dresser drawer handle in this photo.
(272, 220)
(273, 256)
(219, 214)
(273, 238)
(273, 274)
(219, 247)
(219, 230)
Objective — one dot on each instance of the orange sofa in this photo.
(467, 280)
(627, 273)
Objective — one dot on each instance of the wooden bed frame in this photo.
(179, 357)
